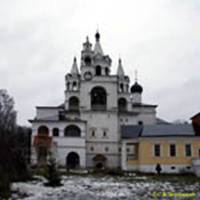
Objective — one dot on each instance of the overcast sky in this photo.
(159, 38)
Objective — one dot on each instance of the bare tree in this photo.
(7, 127)
(7, 114)
(13, 161)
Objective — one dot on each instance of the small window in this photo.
(74, 85)
(121, 87)
(128, 150)
(68, 86)
(91, 148)
(93, 133)
(120, 149)
(188, 167)
(55, 132)
(172, 150)
(106, 149)
(107, 71)
(157, 150)
(140, 122)
(172, 167)
(104, 134)
(188, 150)
(98, 70)
(88, 60)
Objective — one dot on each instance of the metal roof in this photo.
(131, 131)
(157, 130)
(168, 130)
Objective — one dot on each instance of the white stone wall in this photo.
(64, 151)
(111, 90)
(61, 125)
(42, 113)
(64, 145)
(136, 98)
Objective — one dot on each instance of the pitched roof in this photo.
(161, 121)
(74, 69)
(98, 48)
(162, 130)
(197, 115)
(157, 130)
(131, 131)
(120, 70)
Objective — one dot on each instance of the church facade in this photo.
(85, 130)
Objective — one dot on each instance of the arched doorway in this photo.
(99, 161)
(72, 161)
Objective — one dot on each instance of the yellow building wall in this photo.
(146, 151)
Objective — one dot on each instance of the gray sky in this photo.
(161, 39)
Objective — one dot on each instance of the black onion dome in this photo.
(136, 88)
(97, 36)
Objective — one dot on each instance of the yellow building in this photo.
(176, 148)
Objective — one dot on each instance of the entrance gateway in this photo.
(72, 161)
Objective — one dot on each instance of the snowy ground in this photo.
(106, 188)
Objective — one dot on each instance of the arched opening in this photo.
(99, 161)
(55, 132)
(72, 161)
(121, 87)
(43, 130)
(74, 86)
(87, 61)
(72, 131)
(98, 98)
(99, 166)
(107, 71)
(73, 104)
(122, 104)
(68, 86)
(98, 70)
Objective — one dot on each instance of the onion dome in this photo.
(97, 46)
(97, 36)
(136, 88)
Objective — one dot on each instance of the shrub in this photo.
(52, 173)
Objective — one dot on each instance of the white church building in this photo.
(85, 130)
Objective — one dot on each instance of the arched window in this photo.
(74, 86)
(43, 130)
(122, 104)
(98, 98)
(121, 87)
(68, 86)
(107, 71)
(87, 60)
(55, 132)
(72, 131)
(73, 104)
(98, 70)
